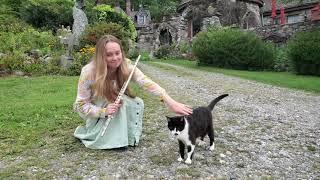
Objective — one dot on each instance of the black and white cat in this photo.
(188, 128)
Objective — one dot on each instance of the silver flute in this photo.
(122, 90)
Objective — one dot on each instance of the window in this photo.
(293, 19)
(141, 20)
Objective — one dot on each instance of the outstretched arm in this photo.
(152, 87)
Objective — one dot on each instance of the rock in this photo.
(222, 155)
(19, 73)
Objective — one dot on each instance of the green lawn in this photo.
(282, 79)
(33, 109)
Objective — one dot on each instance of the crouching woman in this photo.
(98, 87)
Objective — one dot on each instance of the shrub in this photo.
(145, 56)
(80, 59)
(105, 13)
(133, 53)
(47, 14)
(93, 32)
(10, 23)
(282, 62)
(184, 47)
(303, 52)
(233, 48)
(28, 40)
(14, 62)
(164, 51)
(53, 66)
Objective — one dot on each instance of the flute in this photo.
(122, 90)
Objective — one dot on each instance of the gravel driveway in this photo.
(262, 131)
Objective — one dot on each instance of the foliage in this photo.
(25, 51)
(95, 31)
(282, 62)
(20, 62)
(233, 48)
(133, 53)
(10, 23)
(47, 14)
(145, 56)
(28, 40)
(104, 13)
(303, 51)
(53, 66)
(80, 60)
(164, 51)
(184, 47)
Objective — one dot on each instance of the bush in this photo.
(282, 62)
(133, 53)
(233, 48)
(303, 52)
(164, 51)
(14, 62)
(80, 59)
(105, 13)
(28, 40)
(9, 23)
(145, 56)
(93, 33)
(48, 15)
(53, 66)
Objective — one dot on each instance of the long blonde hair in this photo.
(103, 86)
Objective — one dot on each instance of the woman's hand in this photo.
(177, 107)
(113, 108)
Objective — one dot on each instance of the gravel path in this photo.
(262, 130)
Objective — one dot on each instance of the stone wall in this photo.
(280, 34)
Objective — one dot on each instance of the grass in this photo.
(32, 108)
(37, 124)
(281, 79)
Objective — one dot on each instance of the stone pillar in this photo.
(128, 7)
(79, 24)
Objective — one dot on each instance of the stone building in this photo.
(193, 16)
(300, 16)
(295, 12)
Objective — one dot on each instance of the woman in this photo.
(99, 84)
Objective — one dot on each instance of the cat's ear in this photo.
(168, 118)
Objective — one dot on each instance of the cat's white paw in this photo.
(188, 161)
(201, 143)
(180, 159)
(211, 147)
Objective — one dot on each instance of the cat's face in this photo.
(176, 124)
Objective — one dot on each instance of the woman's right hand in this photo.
(112, 108)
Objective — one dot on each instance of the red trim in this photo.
(274, 9)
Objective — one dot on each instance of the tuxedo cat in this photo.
(188, 128)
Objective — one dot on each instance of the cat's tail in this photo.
(214, 102)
